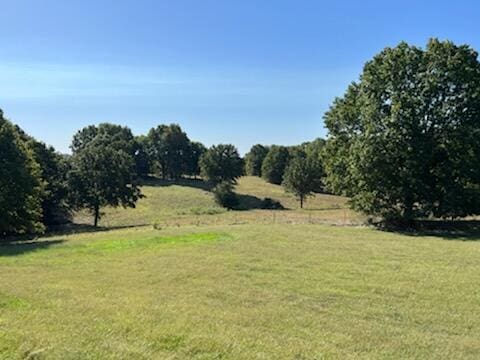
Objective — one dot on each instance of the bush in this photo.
(224, 195)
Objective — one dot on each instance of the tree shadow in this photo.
(461, 230)
(186, 182)
(15, 248)
(250, 202)
(76, 228)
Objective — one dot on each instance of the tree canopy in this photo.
(274, 164)
(254, 160)
(403, 141)
(221, 163)
(21, 185)
(303, 176)
(102, 175)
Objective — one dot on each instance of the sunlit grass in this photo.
(190, 203)
(241, 292)
(198, 282)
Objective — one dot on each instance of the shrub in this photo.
(225, 196)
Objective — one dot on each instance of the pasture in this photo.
(180, 278)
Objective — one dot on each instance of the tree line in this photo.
(403, 143)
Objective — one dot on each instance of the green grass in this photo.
(243, 287)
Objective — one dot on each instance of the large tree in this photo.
(403, 142)
(254, 160)
(53, 173)
(221, 163)
(169, 149)
(142, 158)
(274, 164)
(102, 175)
(116, 136)
(54, 168)
(21, 185)
(193, 156)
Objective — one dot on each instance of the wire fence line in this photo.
(337, 217)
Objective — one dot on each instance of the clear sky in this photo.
(228, 71)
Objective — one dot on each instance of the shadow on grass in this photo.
(15, 248)
(250, 202)
(73, 228)
(193, 183)
(63, 230)
(462, 230)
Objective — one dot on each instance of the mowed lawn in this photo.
(241, 292)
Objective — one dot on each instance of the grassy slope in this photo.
(261, 290)
(190, 203)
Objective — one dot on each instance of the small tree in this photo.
(21, 187)
(102, 176)
(274, 164)
(254, 160)
(303, 177)
(221, 163)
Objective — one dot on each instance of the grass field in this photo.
(190, 202)
(249, 290)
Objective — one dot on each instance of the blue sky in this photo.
(228, 71)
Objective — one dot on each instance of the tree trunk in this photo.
(301, 202)
(97, 215)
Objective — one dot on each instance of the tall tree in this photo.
(156, 149)
(254, 160)
(102, 176)
(194, 154)
(142, 158)
(21, 187)
(116, 136)
(221, 163)
(53, 173)
(103, 168)
(176, 146)
(404, 141)
(169, 148)
(274, 164)
(54, 168)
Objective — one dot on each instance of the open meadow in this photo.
(180, 277)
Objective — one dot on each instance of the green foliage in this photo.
(303, 176)
(142, 159)
(54, 168)
(115, 136)
(274, 164)
(254, 160)
(193, 156)
(172, 152)
(225, 196)
(21, 185)
(102, 176)
(221, 163)
(404, 141)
